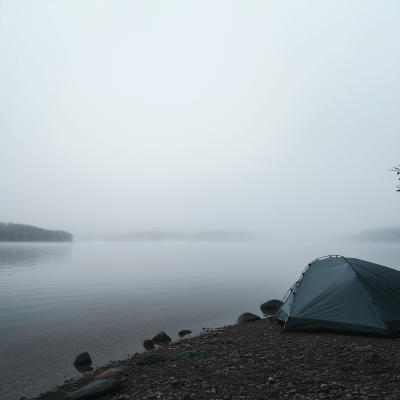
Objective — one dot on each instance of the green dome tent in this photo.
(346, 294)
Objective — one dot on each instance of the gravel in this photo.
(269, 364)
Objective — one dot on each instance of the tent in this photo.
(345, 294)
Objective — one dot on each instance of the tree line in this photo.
(27, 233)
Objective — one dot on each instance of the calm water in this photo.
(59, 300)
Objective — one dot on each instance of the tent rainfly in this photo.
(345, 294)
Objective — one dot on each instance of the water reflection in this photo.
(83, 368)
(21, 256)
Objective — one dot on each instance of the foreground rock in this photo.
(271, 306)
(184, 332)
(123, 368)
(148, 344)
(247, 317)
(82, 359)
(152, 358)
(371, 358)
(112, 373)
(161, 337)
(95, 390)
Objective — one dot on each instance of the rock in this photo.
(112, 373)
(231, 364)
(267, 368)
(122, 368)
(151, 358)
(185, 354)
(255, 398)
(82, 359)
(84, 368)
(148, 344)
(175, 383)
(161, 337)
(247, 317)
(371, 358)
(186, 396)
(350, 398)
(184, 332)
(215, 342)
(271, 306)
(362, 348)
(95, 390)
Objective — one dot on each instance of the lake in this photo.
(58, 300)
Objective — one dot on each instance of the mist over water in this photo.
(267, 117)
(59, 300)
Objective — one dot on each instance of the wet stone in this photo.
(122, 368)
(161, 337)
(371, 358)
(215, 342)
(247, 317)
(82, 360)
(151, 358)
(95, 390)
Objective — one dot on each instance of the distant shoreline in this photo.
(26, 233)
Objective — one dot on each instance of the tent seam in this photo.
(369, 295)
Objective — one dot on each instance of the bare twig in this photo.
(397, 170)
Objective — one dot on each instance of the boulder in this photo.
(112, 373)
(271, 306)
(122, 368)
(82, 359)
(371, 358)
(148, 344)
(161, 337)
(247, 317)
(362, 348)
(185, 354)
(151, 358)
(184, 332)
(351, 398)
(96, 389)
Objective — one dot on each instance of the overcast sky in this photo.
(266, 116)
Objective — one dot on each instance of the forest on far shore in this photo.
(27, 233)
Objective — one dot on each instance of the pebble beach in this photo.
(253, 361)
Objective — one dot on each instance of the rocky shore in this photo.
(252, 360)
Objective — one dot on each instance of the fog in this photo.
(266, 117)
